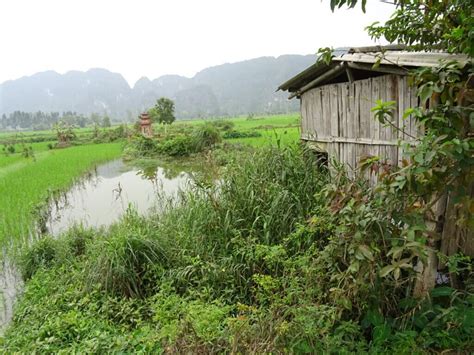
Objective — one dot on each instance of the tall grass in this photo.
(27, 183)
(255, 263)
(259, 200)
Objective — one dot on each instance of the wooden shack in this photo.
(336, 101)
(336, 118)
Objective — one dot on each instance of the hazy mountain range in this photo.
(224, 90)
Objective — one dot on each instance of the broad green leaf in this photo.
(442, 291)
(365, 250)
(386, 270)
(425, 92)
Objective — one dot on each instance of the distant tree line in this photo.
(19, 120)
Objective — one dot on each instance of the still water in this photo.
(104, 196)
(98, 200)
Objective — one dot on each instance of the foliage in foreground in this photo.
(263, 262)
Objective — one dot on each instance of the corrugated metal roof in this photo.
(391, 56)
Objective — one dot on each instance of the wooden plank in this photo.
(311, 114)
(385, 95)
(342, 104)
(349, 74)
(304, 115)
(317, 112)
(381, 69)
(331, 73)
(365, 141)
(413, 103)
(326, 115)
(333, 103)
(365, 99)
(376, 128)
(356, 109)
(393, 96)
(402, 82)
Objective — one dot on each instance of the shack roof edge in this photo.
(386, 56)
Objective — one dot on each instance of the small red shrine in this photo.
(145, 125)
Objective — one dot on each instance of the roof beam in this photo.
(380, 68)
(333, 72)
(349, 74)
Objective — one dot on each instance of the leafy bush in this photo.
(125, 262)
(42, 254)
(178, 146)
(77, 239)
(8, 149)
(223, 125)
(141, 146)
(240, 134)
(205, 137)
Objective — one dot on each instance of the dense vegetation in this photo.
(260, 263)
(282, 255)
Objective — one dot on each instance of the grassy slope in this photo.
(25, 183)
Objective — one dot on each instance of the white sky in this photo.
(155, 37)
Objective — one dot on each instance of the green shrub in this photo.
(240, 134)
(141, 146)
(223, 125)
(44, 253)
(8, 149)
(205, 137)
(126, 261)
(178, 146)
(77, 239)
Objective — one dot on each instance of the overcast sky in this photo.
(154, 37)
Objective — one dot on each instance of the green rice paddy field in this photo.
(283, 128)
(26, 182)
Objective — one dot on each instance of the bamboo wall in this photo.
(339, 118)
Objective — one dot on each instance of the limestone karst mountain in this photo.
(224, 90)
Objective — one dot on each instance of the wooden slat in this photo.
(376, 128)
(356, 108)
(334, 107)
(310, 114)
(319, 109)
(366, 141)
(365, 105)
(304, 115)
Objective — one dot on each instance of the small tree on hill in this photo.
(64, 133)
(106, 122)
(163, 111)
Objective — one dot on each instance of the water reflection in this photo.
(99, 199)
(10, 286)
(103, 197)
